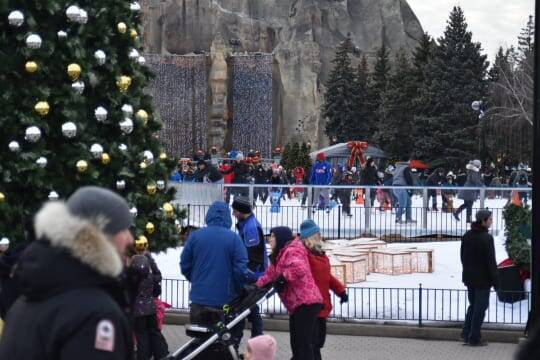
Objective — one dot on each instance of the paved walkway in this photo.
(377, 348)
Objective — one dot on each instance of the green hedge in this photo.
(518, 222)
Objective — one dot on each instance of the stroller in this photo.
(215, 341)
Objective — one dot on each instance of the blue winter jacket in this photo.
(214, 260)
(252, 235)
(321, 173)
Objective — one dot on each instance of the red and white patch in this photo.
(105, 336)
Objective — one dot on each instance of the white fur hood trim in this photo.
(84, 240)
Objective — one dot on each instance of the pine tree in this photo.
(526, 37)
(361, 126)
(286, 156)
(454, 79)
(339, 99)
(75, 112)
(377, 86)
(422, 55)
(500, 64)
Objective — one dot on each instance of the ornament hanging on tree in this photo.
(120, 184)
(133, 211)
(74, 71)
(123, 83)
(82, 166)
(121, 27)
(62, 35)
(126, 126)
(151, 188)
(33, 41)
(143, 165)
(42, 162)
(2, 197)
(16, 18)
(133, 54)
(105, 159)
(78, 86)
(53, 196)
(148, 157)
(133, 33)
(96, 150)
(163, 156)
(100, 57)
(32, 134)
(141, 60)
(135, 6)
(160, 184)
(127, 110)
(69, 129)
(83, 17)
(150, 228)
(42, 108)
(123, 148)
(31, 67)
(142, 116)
(169, 210)
(14, 146)
(101, 114)
(73, 13)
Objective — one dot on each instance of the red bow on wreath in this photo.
(357, 152)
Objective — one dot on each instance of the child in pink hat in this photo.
(261, 348)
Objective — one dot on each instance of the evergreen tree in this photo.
(526, 37)
(454, 79)
(286, 156)
(363, 120)
(339, 100)
(75, 113)
(377, 86)
(305, 159)
(381, 70)
(500, 65)
(422, 55)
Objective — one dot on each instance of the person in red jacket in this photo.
(319, 263)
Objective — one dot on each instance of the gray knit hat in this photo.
(94, 203)
(483, 215)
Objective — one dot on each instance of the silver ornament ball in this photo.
(14, 146)
(160, 184)
(133, 211)
(141, 60)
(120, 184)
(42, 162)
(101, 114)
(148, 157)
(83, 17)
(73, 13)
(16, 18)
(32, 134)
(123, 148)
(69, 129)
(133, 54)
(53, 196)
(127, 110)
(126, 126)
(78, 86)
(96, 150)
(62, 35)
(33, 41)
(100, 57)
(135, 6)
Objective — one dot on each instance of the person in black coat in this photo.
(369, 177)
(207, 173)
(73, 302)
(479, 274)
(433, 180)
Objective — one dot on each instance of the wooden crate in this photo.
(392, 262)
(421, 260)
(338, 269)
(365, 255)
(355, 269)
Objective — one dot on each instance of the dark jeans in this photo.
(478, 304)
(150, 341)
(467, 204)
(432, 194)
(301, 328)
(319, 337)
(256, 322)
(372, 195)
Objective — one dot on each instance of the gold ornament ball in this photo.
(74, 71)
(169, 210)
(82, 166)
(133, 33)
(150, 228)
(122, 27)
(151, 188)
(142, 115)
(141, 243)
(105, 159)
(123, 83)
(42, 108)
(163, 156)
(2, 197)
(143, 165)
(31, 67)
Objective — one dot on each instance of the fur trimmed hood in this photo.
(84, 240)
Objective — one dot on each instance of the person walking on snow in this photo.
(403, 178)
(321, 174)
(474, 179)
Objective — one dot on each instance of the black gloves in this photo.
(344, 298)
(279, 284)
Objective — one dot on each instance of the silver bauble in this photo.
(73, 13)
(120, 184)
(69, 130)
(133, 54)
(96, 150)
(148, 157)
(126, 126)
(16, 18)
(100, 57)
(33, 41)
(135, 6)
(42, 162)
(160, 184)
(78, 86)
(14, 146)
(127, 110)
(62, 35)
(32, 134)
(101, 114)
(141, 60)
(123, 148)
(83, 17)
(53, 196)
(133, 211)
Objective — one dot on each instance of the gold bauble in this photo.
(151, 188)
(163, 156)
(82, 166)
(123, 83)
(150, 228)
(74, 71)
(42, 108)
(122, 27)
(105, 159)
(141, 244)
(31, 67)
(142, 115)
(2, 197)
(169, 210)
(133, 33)
(143, 165)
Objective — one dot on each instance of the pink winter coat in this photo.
(300, 288)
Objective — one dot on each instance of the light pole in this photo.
(481, 107)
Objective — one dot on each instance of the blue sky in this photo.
(493, 22)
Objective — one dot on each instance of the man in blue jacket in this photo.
(214, 261)
(321, 174)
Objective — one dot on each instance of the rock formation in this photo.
(302, 34)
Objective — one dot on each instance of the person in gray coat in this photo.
(474, 179)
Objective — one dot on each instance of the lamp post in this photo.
(481, 107)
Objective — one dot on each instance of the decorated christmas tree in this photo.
(75, 112)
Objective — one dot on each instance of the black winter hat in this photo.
(283, 235)
(242, 205)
